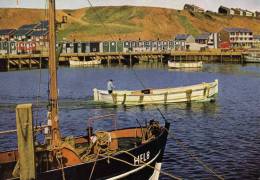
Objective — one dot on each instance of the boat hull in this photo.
(252, 59)
(199, 92)
(74, 63)
(122, 165)
(179, 65)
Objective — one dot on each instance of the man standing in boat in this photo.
(110, 86)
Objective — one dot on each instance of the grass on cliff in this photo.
(98, 29)
(119, 15)
(189, 29)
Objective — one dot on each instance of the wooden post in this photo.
(20, 64)
(130, 59)
(40, 63)
(30, 63)
(7, 65)
(25, 167)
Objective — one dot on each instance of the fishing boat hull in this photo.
(135, 163)
(253, 58)
(199, 92)
(179, 65)
(74, 63)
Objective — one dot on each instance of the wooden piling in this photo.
(25, 167)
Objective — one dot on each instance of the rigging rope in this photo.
(131, 164)
(194, 157)
(94, 165)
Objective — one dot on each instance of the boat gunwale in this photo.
(178, 90)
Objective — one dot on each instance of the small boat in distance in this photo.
(253, 57)
(179, 65)
(198, 92)
(77, 63)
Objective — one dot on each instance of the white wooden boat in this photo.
(178, 65)
(253, 57)
(198, 92)
(78, 63)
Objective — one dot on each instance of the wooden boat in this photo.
(74, 63)
(198, 92)
(129, 153)
(253, 57)
(178, 65)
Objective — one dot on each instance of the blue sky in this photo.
(175, 4)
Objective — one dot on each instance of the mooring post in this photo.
(20, 64)
(30, 63)
(7, 64)
(130, 59)
(40, 62)
(25, 167)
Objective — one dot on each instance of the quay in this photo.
(32, 61)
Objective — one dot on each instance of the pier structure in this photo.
(30, 61)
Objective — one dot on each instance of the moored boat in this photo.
(179, 65)
(253, 57)
(74, 63)
(198, 92)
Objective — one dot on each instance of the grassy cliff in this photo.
(128, 22)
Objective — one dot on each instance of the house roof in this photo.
(6, 31)
(237, 30)
(38, 33)
(203, 36)
(43, 24)
(22, 32)
(194, 6)
(223, 7)
(28, 27)
(182, 36)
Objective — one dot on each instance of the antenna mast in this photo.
(53, 98)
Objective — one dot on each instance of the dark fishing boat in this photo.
(130, 153)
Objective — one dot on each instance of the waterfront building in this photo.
(193, 8)
(209, 39)
(236, 37)
(256, 43)
(6, 34)
(182, 41)
(22, 32)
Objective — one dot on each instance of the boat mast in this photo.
(53, 98)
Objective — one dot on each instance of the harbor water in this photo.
(224, 135)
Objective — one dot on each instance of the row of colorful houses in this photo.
(30, 32)
(226, 38)
(224, 11)
(237, 12)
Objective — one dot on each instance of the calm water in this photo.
(225, 134)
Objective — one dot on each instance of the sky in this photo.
(174, 4)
